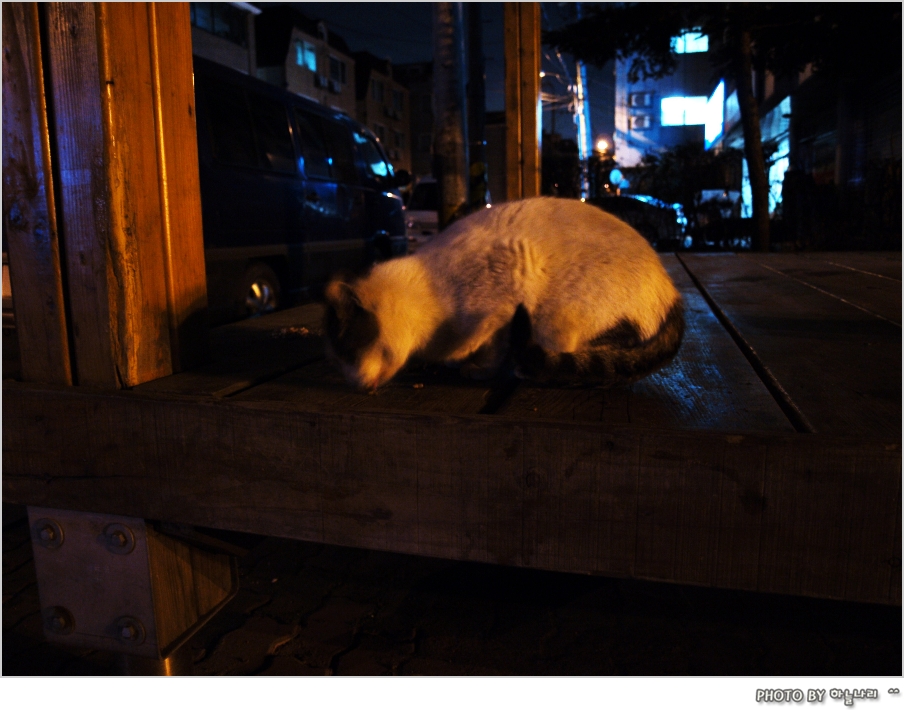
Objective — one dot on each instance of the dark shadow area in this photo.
(310, 609)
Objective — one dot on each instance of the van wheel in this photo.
(260, 291)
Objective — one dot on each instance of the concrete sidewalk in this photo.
(309, 609)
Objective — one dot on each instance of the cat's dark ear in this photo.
(349, 326)
(341, 299)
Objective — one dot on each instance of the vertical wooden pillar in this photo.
(29, 213)
(118, 79)
(522, 99)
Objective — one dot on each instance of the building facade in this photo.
(223, 32)
(418, 77)
(833, 147)
(656, 114)
(383, 105)
(305, 57)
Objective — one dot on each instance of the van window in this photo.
(230, 124)
(327, 148)
(271, 127)
(255, 138)
(313, 145)
(340, 142)
(372, 158)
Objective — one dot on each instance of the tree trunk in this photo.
(451, 141)
(477, 108)
(753, 142)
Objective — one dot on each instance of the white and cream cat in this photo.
(558, 288)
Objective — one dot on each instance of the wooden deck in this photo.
(766, 457)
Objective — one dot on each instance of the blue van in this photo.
(291, 191)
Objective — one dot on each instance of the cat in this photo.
(562, 291)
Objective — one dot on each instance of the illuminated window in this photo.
(305, 54)
(715, 110)
(684, 111)
(690, 43)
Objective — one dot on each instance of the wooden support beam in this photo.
(29, 213)
(788, 513)
(123, 132)
(522, 98)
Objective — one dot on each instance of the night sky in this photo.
(402, 32)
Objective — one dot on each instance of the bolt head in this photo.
(118, 539)
(58, 620)
(47, 533)
(130, 630)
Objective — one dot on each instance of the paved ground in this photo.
(308, 609)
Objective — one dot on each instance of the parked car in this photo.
(290, 192)
(664, 225)
(422, 212)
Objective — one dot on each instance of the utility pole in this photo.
(522, 99)
(582, 119)
(450, 146)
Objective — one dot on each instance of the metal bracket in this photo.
(115, 583)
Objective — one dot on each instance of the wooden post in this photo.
(122, 136)
(29, 216)
(102, 210)
(522, 98)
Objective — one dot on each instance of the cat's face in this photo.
(355, 339)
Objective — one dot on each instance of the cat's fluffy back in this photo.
(577, 270)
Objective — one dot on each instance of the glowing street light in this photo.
(602, 145)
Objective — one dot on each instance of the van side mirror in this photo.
(402, 178)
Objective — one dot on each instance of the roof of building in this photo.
(273, 31)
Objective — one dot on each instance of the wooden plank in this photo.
(840, 366)
(30, 225)
(886, 264)
(120, 77)
(709, 385)
(90, 247)
(803, 514)
(179, 182)
(418, 388)
(874, 293)
(249, 352)
(316, 383)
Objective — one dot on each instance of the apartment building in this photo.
(306, 57)
(383, 105)
(223, 32)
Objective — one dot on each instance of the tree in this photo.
(842, 38)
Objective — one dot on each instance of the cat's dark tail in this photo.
(615, 357)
